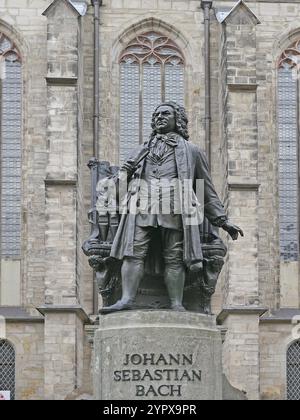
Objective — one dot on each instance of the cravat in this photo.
(162, 143)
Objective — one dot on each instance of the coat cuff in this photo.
(220, 221)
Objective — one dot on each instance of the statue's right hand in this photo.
(129, 166)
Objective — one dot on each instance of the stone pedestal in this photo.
(163, 355)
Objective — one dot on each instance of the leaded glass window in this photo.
(288, 133)
(7, 368)
(293, 372)
(151, 71)
(10, 149)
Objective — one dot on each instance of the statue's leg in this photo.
(132, 274)
(174, 266)
(175, 279)
(133, 270)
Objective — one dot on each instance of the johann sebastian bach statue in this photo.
(169, 241)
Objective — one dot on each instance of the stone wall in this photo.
(63, 355)
(24, 24)
(241, 353)
(275, 338)
(28, 342)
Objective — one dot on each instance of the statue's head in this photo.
(169, 116)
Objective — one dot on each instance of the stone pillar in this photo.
(63, 353)
(63, 314)
(161, 355)
(240, 162)
(241, 348)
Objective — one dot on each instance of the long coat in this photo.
(191, 164)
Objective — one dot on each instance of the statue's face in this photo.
(164, 119)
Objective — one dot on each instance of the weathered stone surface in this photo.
(157, 355)
(28, 342)
(240, 153)
(230, 393)
(241, 353)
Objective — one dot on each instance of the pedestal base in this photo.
(157, 355)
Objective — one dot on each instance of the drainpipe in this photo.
(96, 4)
(94, 162)
(206, 6)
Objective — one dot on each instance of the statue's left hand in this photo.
(233, 230)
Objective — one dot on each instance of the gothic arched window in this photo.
(151, 71)
(10, 148)
(7, 368)
(288, 133)
(293, 372)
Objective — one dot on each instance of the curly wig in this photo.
(180, 117)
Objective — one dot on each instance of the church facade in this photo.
(234, 65)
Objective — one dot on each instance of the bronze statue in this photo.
(188, 250)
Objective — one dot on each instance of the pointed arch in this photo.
(152, 69)
(15, 37)
(149, 24)
(285, 39)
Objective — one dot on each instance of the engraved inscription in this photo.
(162, 374)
